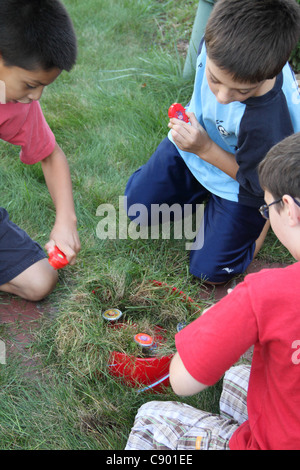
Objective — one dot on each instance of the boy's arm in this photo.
(64, 233)
(181, 380)
(193, 138)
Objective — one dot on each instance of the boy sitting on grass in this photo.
(245, 100)
(37, 42)
(260, 412)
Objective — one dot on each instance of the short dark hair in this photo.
(252, 39)
(37, 34)
(279, 171)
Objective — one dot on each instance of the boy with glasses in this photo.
(264, 210)
(259, 406)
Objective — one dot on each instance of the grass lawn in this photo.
(108, 115)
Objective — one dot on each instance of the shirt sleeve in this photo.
(30, 131)
(262, 126)
(216, 340)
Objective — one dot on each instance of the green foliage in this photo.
(295, 56)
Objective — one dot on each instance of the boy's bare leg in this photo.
(35, 283)
(261, 238)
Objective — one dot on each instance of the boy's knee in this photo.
(132, 192)
(35, 283)
(137, 205)
(213, 275)
(41, 286)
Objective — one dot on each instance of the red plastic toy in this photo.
(146, 373)
(152, 373)
(176, 110)
(57, 259)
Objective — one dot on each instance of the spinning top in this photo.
(144, 340)
(112, 314)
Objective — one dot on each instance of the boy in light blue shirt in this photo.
(245, 100)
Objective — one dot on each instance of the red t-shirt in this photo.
(263, 311)
(25, 125)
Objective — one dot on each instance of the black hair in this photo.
(279, 171)
(37, 34)
(252, 39)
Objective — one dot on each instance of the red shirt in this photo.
(25, 125)
(263, 311)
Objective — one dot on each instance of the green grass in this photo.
(108, 115)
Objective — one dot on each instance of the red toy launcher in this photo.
(57, 259)
(176, 110)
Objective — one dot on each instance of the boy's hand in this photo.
(190, 137)
(64, 233)
(193, 138)
(66, 239)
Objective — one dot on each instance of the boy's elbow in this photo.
(182, 382)
(186, 388)
(178, 387)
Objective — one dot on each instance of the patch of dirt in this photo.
(21, 318)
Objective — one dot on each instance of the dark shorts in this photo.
(230, 228)
(17, 250)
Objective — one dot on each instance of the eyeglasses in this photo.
(264, 210)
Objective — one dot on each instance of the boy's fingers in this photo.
(50, 245)
(67, 251)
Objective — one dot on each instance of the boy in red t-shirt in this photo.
(259, 406)
(37, 42)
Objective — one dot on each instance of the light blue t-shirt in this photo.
(247, 129)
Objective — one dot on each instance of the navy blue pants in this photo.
(230, 228)
(17, 250)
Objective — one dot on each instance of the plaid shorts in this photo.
(176, 426)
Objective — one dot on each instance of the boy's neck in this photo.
(266, 86)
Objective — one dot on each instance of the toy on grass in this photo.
(145, 369)
(147, 344)
(149, 373)
(176, 110)
(57, 258)
(112, 315)
(144, 340)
